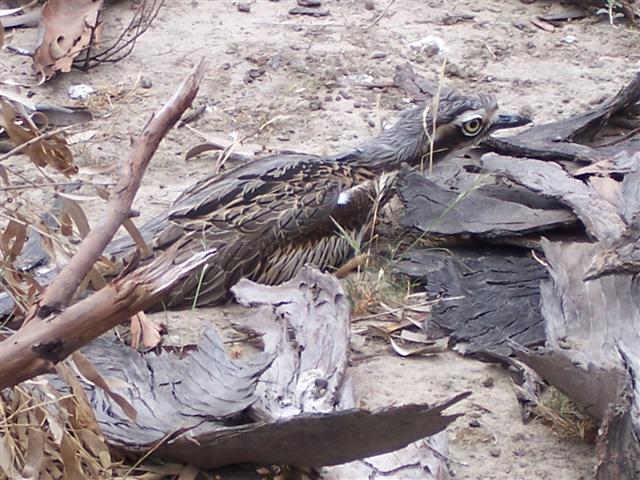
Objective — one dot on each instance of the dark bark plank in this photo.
(438, 209)
(559, 140)
(488, 298)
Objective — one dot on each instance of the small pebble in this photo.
(145, 82)
(369, 4)
(80, 92)
(474, 423)
(495, 452)
(346, 95)
(309, 3)
(520, 25)
(315, 105)
(377, 55)
(244, 7)
(488, 382)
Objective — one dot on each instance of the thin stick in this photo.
(382, 14)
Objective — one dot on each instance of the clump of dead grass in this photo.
(566, 418)
(373, 289)
(107, 98)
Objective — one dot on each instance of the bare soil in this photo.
(307, 74)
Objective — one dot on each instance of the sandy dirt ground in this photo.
(307, 74)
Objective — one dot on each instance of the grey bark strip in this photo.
(600, 217)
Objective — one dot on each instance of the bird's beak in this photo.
(509, 120)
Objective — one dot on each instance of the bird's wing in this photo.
(250, 213)
(283, 195)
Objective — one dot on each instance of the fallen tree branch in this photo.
(59, 293)
(53, 333)
(40, 344)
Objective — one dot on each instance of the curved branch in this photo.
(53, 331)
(59, 293)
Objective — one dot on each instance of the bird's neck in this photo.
(402, 143)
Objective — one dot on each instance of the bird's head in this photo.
(460, 122)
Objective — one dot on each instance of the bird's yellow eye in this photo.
(472, 127)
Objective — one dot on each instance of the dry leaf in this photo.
(51, 151)
(7, 457)
(66, 225)
(35, 454)
(12, 240)
(74, 210)
(97, 446)
(435, 347)
(137, 237)
(70, 459)
(66, 29)
(144, 331)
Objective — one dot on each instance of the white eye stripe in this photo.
(470, 115)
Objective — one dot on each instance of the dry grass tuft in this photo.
(374, 288)
(566, 418)
(109, 97)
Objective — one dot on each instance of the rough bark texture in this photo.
(590, 294)
(433, 206)
(599, 216)
(487, 298)
(208, 410)
(593, 350)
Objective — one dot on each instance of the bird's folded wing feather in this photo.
(280, 198)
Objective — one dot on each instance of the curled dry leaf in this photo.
(66, 29)
(51, 151)
(420, 346)
(144, 331)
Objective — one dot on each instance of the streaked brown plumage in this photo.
(268, 218)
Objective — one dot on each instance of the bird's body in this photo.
(265, 220)
(268, 218)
